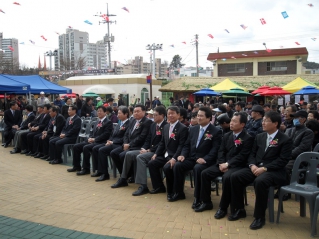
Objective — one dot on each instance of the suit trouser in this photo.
(77, 151)
(210, 174)
(118, 156)
(23, 140)
(35, 142)
(28, 138)
(175, 177)
(154, 167)
(9, 135)
(129, 161)
(87, 150)
(56, 145)
(142, 161)
(17, 138)
(243, 177)
(43, 146)
(103, 152)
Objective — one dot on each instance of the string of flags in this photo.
(44, 38)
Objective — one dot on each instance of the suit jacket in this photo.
(43, 122)
(235, 156)
(72, 128)
(208, 145)
(119, 132)
(59, 123)
(11, 120)
(136, 138)
(172, 145)
(29, 119)
(37, 119)
(102, 134)
(276, 156)
(154, 137)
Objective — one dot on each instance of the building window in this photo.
(236, 68)
(277, 66)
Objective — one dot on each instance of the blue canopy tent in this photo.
(9, 85)
(37, 84)
(206, 92)
(308, 90)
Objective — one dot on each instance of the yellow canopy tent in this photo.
(297, 84)
(226, 85)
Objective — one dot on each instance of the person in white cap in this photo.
(42, 100)
(150, 114)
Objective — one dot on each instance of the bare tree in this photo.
(8, 66)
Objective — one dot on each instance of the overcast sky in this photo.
(167, 22)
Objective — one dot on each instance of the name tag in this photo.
(54, 128)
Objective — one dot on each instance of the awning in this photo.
(297, 84)
(99, 89)
(225, 85)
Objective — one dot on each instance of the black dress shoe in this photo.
(120, 183)
(28, 153)
(15, 151)
(49, 160)
(158, 190)
(45, 157)
(196, 203)
(83, 172)
(177, 196)
(204, 206)
(57, 161)
(24, 151)
(96, 174)
(39, 155)
(35, 154)
(257, 223)
(131, 180)
(240, 213)
(70, 170)
(2, 144)
(103, 177)
(5, 145)
(169, 196)
(220, 213)
(140, 191)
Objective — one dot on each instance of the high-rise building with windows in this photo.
(77, 53)
(9, 57)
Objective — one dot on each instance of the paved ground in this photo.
(39, 200)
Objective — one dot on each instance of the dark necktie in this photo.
(157, 128)
(234, 137)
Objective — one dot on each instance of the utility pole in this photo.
(153, 48)
(196, 44)
(108, 38)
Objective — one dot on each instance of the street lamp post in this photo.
(50, 54)
(153, 48)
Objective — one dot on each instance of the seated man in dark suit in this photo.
(23, 128)
(68, 135)
(199, 152)
(23, 135)
(173, 139)
(36, 131)
(116, 140)
(134, 139)
(267, 161)
(12, 120)
(98, 136)
(232, 156)
(54, 128)
(146, 152)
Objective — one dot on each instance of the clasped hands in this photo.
(256, 171)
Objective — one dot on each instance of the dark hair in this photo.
(73, 107)
(222, 108)
(12, 103)
(254, 102)
(58, 96)
(174, 108)
(66, 99)
(110, 100)
(293, 108)
(196, 105)
(77, 95)
(313, 125)
(241, 104)
(315, 114)
(191, 105)
(102, 107)
(274, 117)
(48, 106)
(194, 114)
(160, 110)
(88, 99)
(55, 109)
(223, 119)
(41, 106)
(274, 107)
(124, 110)
(141, 106)
(267, 105)
(108, 109)
(208, 111)
(29, 108)
(183, 113)
(131, 109)
(242, 118)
